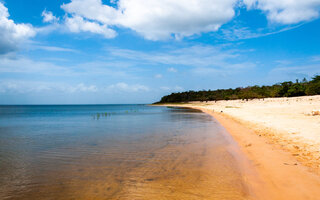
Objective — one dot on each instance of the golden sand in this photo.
(281, 137)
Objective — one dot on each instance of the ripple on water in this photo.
(150, 153)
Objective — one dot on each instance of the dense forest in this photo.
(285, 89)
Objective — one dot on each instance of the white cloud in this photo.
(178, 88)
(165, 88)
(240, 33)
(80, 88)
(198, 60)
(27, 66)
(172, 89)
(51, 48)
(158, 76)
(77, 24)
(215, 57)
(127, 88)
(229, 68)
(25, 87)
(293, 72)
(154, 19)
(287, 11)
(12, 34)
(171, 69)
(74, 24)
(160, 20)
(49, 17)
(92, 9)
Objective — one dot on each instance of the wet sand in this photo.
(283, 176)
(286, 161)
(288, 122)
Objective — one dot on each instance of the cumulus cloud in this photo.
(92, 9)
(77, 24)
(49, 17)
(12, 34)
(74, 24)
(286, 11)
(154, 19)
(160, 20)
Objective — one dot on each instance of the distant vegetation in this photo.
(285, 89)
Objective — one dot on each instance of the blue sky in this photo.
(135, 51)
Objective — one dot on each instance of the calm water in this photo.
(114, 152)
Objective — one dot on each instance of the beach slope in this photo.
(281, 137)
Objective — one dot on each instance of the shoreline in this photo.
(282, 175)
(285, 174)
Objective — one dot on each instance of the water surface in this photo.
(114, 152)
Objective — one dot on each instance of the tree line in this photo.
(284, 89)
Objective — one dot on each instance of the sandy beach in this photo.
(280, 136)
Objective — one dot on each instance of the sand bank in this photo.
(281, 137)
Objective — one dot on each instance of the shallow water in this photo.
(114, 152)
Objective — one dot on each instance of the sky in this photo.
(136, 51)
